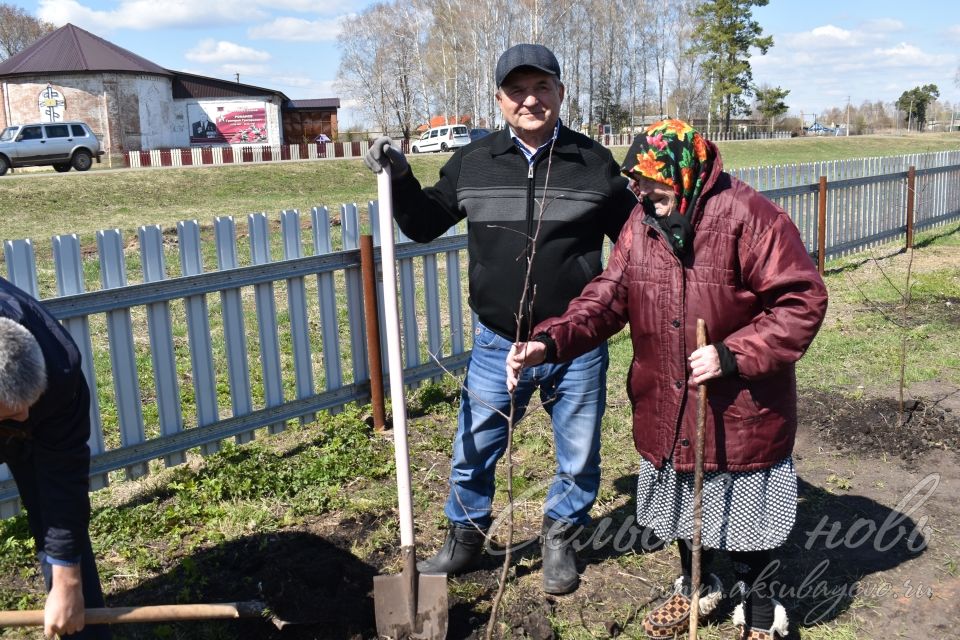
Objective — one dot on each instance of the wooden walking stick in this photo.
(698, 490)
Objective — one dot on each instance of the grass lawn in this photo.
(39, 207)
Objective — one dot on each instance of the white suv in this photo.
(61, 144)
(443, 138)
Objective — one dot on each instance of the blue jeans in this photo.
(574, 394)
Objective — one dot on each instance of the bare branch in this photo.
(531, 291)
(887, 278)
(463, 387)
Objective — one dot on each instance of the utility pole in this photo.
(237, 75)
(848, 115)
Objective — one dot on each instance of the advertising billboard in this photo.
(228, 123)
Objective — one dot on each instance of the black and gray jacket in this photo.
(48, 454)
(490, 183)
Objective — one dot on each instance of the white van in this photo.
(445, 138)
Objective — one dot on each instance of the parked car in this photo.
(443, 138)
(61, 144)
(476, 134)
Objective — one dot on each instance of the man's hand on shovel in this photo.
(384, 152)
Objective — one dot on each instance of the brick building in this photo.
(133, 104)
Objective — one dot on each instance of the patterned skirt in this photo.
(742, 511)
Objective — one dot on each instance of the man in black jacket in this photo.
(44, 428)
(533, 193)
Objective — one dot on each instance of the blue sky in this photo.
(824, 51)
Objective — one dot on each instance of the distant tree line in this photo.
(913, 110)
(405, 61)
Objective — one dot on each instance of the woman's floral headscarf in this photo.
(674, 153)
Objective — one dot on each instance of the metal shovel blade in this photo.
(412, 604)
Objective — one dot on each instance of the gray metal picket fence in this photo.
(866, 197)
(186, 343)
(312, 354)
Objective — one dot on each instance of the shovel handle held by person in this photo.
(411, 605)
(150, 613)
(698, 489)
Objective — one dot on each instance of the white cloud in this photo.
(953, 33)
(211, 51)
(319, 7)
(883, 25)
(908, 55)
(297, 29)
(248, 70)
(302, 87)
(293, 81)
(149, 14)
(824, 37)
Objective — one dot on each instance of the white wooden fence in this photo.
(191, 341)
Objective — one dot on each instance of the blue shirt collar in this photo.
(531, 155)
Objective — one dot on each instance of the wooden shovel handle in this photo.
(155, 613)
(698, 490)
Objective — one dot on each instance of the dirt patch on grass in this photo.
(876, 427)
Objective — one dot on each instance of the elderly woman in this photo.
(702, 244)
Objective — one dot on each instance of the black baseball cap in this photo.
(526, 55)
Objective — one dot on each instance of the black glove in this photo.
(382, 153)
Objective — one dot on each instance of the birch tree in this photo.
(379, 67)
(406, 61)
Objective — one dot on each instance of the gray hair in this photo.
(23, 371)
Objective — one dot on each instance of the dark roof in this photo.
(70, 48)
(188, 85)
(317, 103)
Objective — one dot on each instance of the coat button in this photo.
(676, 324)
(684, 443)
(678, 384)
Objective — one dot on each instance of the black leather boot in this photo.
(559, 558)
(461, 552)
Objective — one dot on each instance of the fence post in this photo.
(911, 190)
(368, 269)
(822, 225)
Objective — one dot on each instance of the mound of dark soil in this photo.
(303, 578)
(875, 427)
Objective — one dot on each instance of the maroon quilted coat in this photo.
(750, 277)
